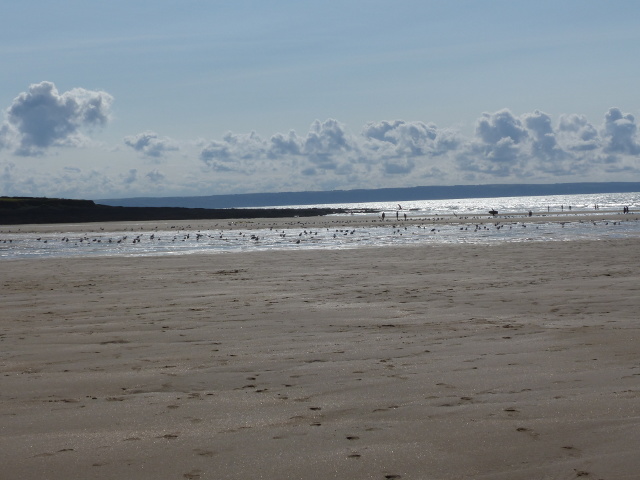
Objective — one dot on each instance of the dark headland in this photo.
(30, 210)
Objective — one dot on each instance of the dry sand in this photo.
(517, 361)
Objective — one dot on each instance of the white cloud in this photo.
(281, 145)
(494, 128)
(497, 150)
(328, 144)
(149, 144)
(577, 134)
(620, 133)
(408, 138)
(240, 153)
(42, 118)
(544, 138)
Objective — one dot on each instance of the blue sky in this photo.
(121, 99)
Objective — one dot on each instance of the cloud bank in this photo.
(502, 148)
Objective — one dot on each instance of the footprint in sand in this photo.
(384, 409)
(204, 453)
(193, 474)
(49, 454)
(572, 451)
(528, 431)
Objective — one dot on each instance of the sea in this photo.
(570, 218)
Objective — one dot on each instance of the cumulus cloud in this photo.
(620, 133)
(577, 134)
(492, 128)
(328, 146)
(497, 149)
(284, 145)
(149, 144)
(400, 138)
(402, 147)
(42, 117)
(235, 153)
(550, 156)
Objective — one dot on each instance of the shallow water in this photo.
(183, 242)
(582, 222)
(606, 202)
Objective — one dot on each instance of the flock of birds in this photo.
(230, 237)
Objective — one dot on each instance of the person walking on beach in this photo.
(383, 216)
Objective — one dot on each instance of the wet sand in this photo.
(514, 361)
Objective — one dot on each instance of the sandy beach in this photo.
(511, 361)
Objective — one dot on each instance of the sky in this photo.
(192, 97)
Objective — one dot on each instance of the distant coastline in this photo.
(33, 210)
(373, 195)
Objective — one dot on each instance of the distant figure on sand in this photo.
(382, 215)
